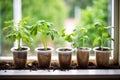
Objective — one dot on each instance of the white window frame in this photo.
(116, 55)
(73, 74)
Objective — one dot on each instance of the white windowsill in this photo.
(58, 74)
(51, 74)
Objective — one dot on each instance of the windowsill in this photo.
(57, 74)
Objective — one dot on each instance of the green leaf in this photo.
(34, 30)
(108, 27)
(85, 37)
(83, 30)
(26, 32)
(8, 22)
(63, 32)
(97, 24)
(11, 36)
(112, 39)
(96, 40)
(68, 38)
(49, 24)
(52, 37)
(104, 34)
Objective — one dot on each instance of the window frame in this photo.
(116, 55)
(72, 74)
(119, 33)
(116, 32)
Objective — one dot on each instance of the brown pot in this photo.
(64, 55)
(20, 57)
(83, 57)
(102, 56)
(44, 56)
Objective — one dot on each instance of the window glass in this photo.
(6, 13)
(63, 13)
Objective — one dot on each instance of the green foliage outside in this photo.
(6, 13)
(98, 12)
(71, 4)
(49, 10)
(56, 11)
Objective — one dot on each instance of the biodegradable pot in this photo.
(83, 57)
(20, 57)
(102, 56)
(64, 55)
(44, 56)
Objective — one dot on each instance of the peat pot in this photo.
(44, 56)
(20, 56)
(64, 56)
(102, 56)
(83, 57)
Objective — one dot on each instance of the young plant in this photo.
(45, 30)
(67, 37)
(78, 37)
(18, 32)
(103, 35)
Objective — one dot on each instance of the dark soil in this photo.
(83, 48)
(44, 49)
(65, 49)
(104, 49)
(21, 49)
(54, 66)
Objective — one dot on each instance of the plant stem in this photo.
(83, 43)
(43, 38)
(45, 45)
(102, 42)
(19, 48)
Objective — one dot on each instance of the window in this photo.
(4, 10)
(64, 13)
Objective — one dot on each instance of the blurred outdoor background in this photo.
(62, 13)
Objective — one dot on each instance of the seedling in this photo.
(19, 32)
(78, 37)
(103, 35)
(67, 37)
(45, 30)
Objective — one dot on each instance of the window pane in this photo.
(64, 14)
(6, 13)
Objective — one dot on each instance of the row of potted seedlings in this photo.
(44, 30)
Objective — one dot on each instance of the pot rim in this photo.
(42, 51)
(95, 49)
(58, 50)
(88, 49)
(13, 49)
